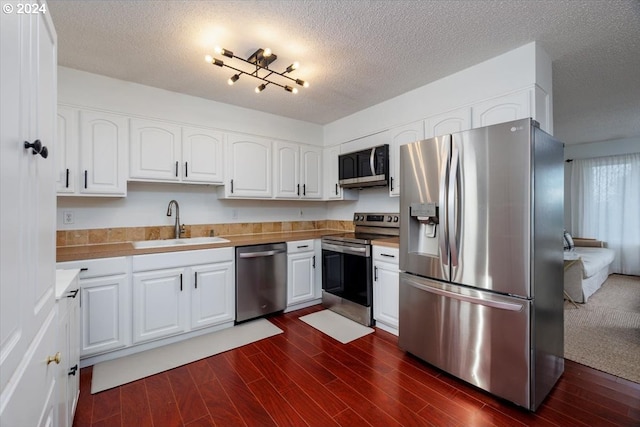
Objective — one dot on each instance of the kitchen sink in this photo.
(177, 242)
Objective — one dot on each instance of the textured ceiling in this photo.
(358, 53)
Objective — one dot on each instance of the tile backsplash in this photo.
(127, 234)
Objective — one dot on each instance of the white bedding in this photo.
(594, 259)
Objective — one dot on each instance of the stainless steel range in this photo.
(347, 285)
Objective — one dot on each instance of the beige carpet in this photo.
(336, 326)
(123, 370)
(604, 333)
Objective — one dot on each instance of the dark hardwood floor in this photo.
(303, 377)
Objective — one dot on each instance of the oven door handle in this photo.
(362, 251)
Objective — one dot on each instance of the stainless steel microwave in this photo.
(365, 168)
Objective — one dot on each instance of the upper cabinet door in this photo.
(311, 172)
(202, 152)
(103, 158)
(399, 136)
(449, 122)
(155, 150)
(505, 108)
(249, 167)
(67, 150)
(287, 170)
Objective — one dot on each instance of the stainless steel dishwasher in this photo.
(261, 280)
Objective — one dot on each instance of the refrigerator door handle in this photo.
(442, 201)
(451, 207)
(473, 300)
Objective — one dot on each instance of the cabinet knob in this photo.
(54, 358)
(37, 148)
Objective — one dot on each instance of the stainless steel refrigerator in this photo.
(481, 257)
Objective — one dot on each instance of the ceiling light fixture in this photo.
(260, 59)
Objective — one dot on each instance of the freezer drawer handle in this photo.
(494, 304)
(260, 254)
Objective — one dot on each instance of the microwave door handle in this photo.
(442, 201)
(372, 158)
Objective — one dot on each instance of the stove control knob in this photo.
(389, 218)
(396, 219)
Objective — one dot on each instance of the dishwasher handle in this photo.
(260, 254)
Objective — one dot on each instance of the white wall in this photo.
(510, 71)
(514, 70)
(146, 205)
(84, 89)
(589, 151)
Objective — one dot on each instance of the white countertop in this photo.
(64, 280)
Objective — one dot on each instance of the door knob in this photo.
(54, 358)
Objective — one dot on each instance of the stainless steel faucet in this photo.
(176, 229)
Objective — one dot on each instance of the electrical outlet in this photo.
(68, 217)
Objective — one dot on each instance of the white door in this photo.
(202, 153)
(287, 170)
(249, 167)
(27, 195)
(311, 172)
(301, 277)
(212, 294)
(159, 304)
(102, 314)
(399, 136)
(67, 151)
(155, 150)
(103, 144)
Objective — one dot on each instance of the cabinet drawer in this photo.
(300, 246)
(181, 259)
(97, 267)
(386, 254)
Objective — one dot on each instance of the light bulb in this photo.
(233, 79)
(266, 52)
(295, 65)
(208, 58)
(295, 90)
(217, 50)
(260, 88)
(305, 84)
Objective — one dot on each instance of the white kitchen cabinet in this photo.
(202, 156)
(159, 304)
(396, 137)
(174, 293)
(311, 172)
(212, 294)
(105, 319)
(332, 189)
(103, 153)
(67, 167)
(68, 309)
(28, 323)
(166, 152)
(450, 122)
(513, 106)
(154, 150)
(297, 171)
(302, 268)
(92, 157)
(249, 168)
(386, 298)
(287, 169)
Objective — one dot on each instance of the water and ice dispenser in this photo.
(424, 228)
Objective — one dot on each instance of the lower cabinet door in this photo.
(103, 302)
(159, 304)
(212, 294)
(385, 293)
(300, 277)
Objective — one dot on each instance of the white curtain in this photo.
(605, 204)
